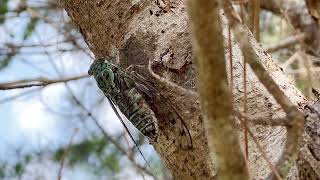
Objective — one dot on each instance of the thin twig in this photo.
(245, 108)
(95, 120)
(295, 130)
(307, 66)
(302, 70)
(66, 152)
(296, 32)
(26, 83)
(4, 100)
(67, 34)
(230, 63)
(256, 18)
(289, 61)
(170, 83)
(264, 155)
(289, 41)
(263, 119)
(214, 95)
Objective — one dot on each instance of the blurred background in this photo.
(64, 127)
(67, 121)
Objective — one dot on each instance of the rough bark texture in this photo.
(214, 91)
(260, 102)
(309, 158)
(142, 31)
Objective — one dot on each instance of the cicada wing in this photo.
(130, 129)
(184, 138)
(143, 89)
(126, 126)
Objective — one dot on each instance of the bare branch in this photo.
(289, 41)
(297, 15)
(7, 99)
(264, 155)
(263, 119)
(107, 136)
(170, 83)
(69, 36)
(213, 87)
(37, 82)
(295, 130)
(66, 152)
(289, 61)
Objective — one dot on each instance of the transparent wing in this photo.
(184, 135)
(144, 87)
(126, 126)
(183, 132)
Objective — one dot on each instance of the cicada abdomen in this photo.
(121, 91)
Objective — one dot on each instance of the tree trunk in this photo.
(143, 31)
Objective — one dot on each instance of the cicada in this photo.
(126, 90)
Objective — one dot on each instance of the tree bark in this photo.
(215, 94)
(143, 31)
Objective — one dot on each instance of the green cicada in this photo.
(121, 91)
(128, 91)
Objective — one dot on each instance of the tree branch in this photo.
(213, 87)
(295, 130)
(66, 152)
(26, 83)
(263, 119)
(264, 155)
(296, 13)
(289, 41)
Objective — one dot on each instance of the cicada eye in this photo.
(90, 71)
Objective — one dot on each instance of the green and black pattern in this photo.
(122, 91)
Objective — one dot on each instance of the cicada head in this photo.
(96, 67)
(102, 71)
(101, 67)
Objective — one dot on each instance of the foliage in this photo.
(3, 10)
(94, 147)
(5, 61)
(30, 27)
(2, 170)
(92, 151)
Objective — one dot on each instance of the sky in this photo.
(28, 122)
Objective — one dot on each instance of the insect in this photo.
(121, 91)
(127, 91)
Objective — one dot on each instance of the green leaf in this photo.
(27, 159)
(5, 61)
(30, 28)
(19, 168)
(81, 152)
(2, 170)
(58, 154)
(3, 10)
(112, 162)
